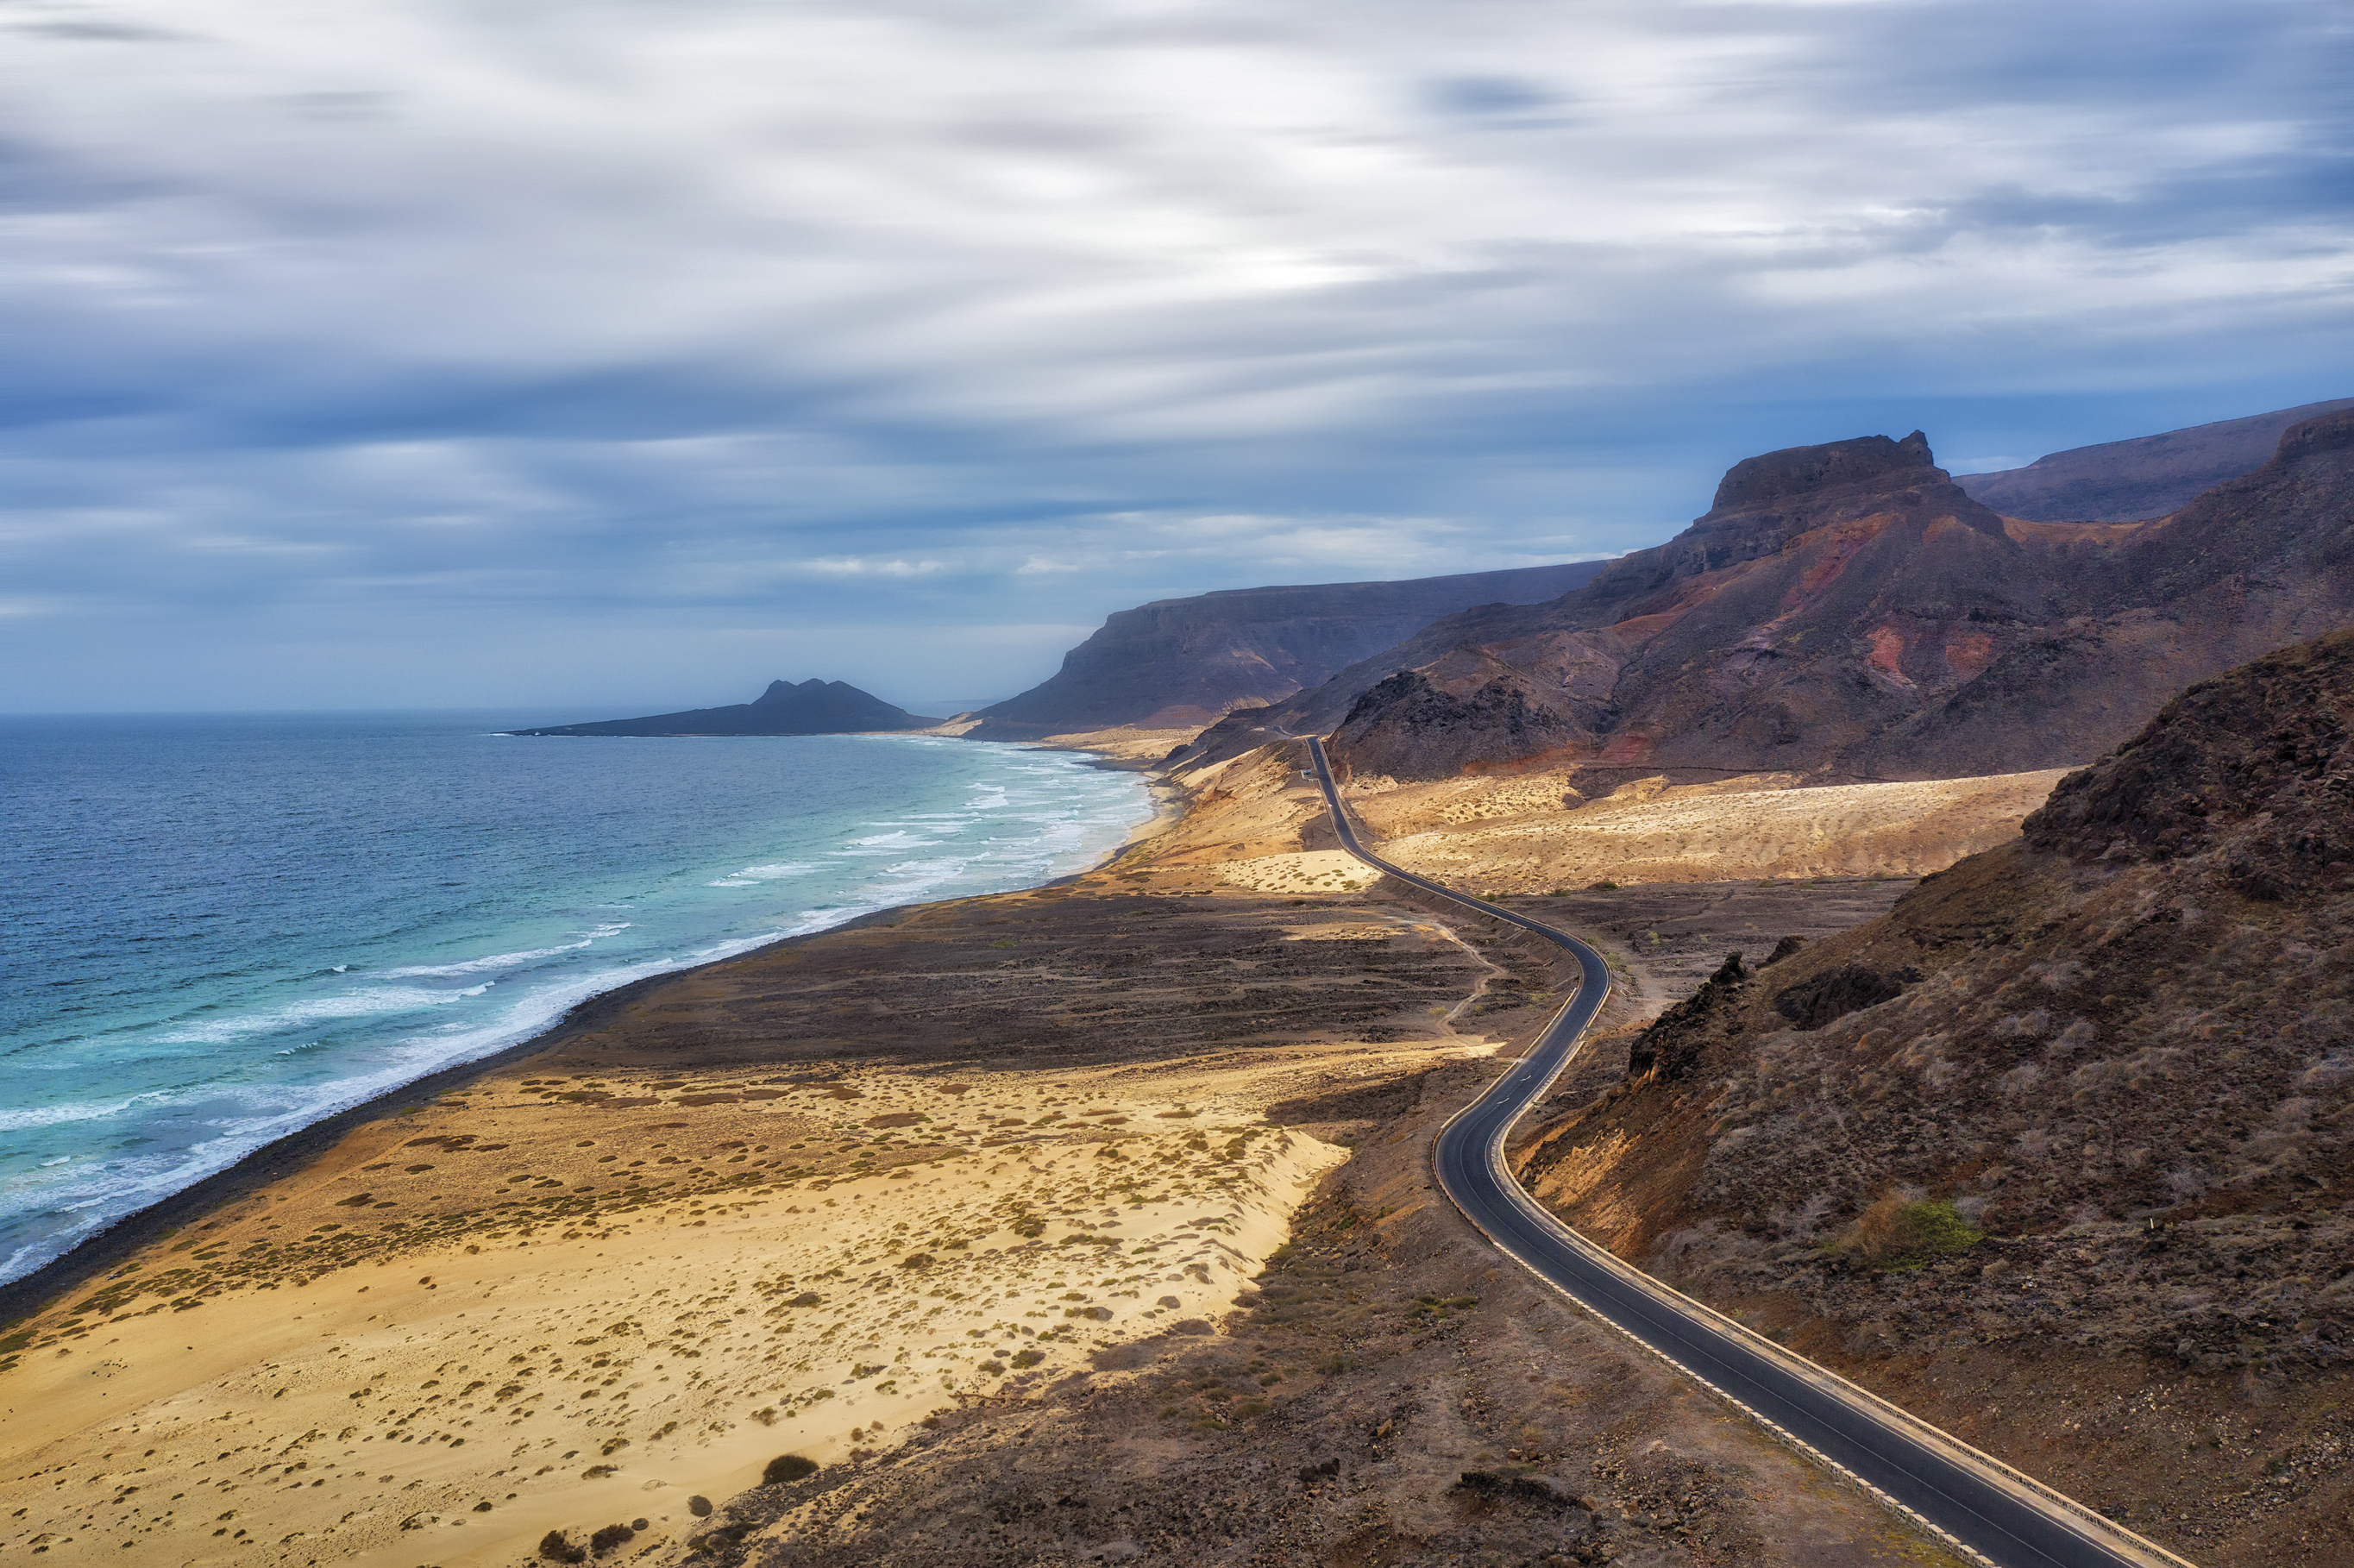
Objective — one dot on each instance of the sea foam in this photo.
(451, 895)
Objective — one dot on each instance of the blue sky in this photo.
(632, 353)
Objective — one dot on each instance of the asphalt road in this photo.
(1977, 1502)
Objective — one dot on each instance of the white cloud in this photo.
(853, 566)
(575, 309)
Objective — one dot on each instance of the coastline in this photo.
(891, 1155)
(33, 1293)
(30, 1294)
(886, 1180)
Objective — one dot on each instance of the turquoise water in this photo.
(221, 929)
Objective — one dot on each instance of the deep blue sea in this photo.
(220, 929)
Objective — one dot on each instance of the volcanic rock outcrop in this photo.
(814, 708)
(1849, 612)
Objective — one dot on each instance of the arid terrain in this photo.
(2058, 1147)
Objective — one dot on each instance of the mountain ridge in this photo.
(2142, 476)
(1849, 611)
(1186, 661)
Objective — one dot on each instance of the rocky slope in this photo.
(1186, 661)
(1849, 612)
(2149, 476)
(814, 708)
(2087, 1097)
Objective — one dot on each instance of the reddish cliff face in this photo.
(1849, 611)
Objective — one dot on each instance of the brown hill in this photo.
(2149, 476)
(2123, 1046)
(1847, 612)
(1184, 661)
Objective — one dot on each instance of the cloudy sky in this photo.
(633, 353)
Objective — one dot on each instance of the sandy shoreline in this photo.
(109, 1249)
(789, 1202)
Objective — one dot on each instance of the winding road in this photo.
(1992, 1512)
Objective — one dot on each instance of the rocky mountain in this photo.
(1184, 661)
(1848, 611)
(814, 708)
(2119, 1051)
(2149, 476)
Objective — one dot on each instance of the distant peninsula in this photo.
(814, 708)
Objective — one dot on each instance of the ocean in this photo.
(223, 929)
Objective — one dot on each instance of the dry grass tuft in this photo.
(1900, 1233)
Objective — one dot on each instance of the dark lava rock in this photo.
(1851, 988)
(1797, 470)
(2269, 740)
(1678, 1038)
(1407, 727)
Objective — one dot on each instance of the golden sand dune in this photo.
(1532, 834)
(1127, 742)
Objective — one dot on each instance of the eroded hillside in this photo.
(2071, 1121)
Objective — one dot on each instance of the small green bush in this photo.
(1897, 1233)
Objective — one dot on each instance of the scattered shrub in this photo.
(556, 1547)
(610, 1537)
(1528, 1489)
(787, 1468)
(1604, 886)
(699, 1505)
(1028, 1358)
